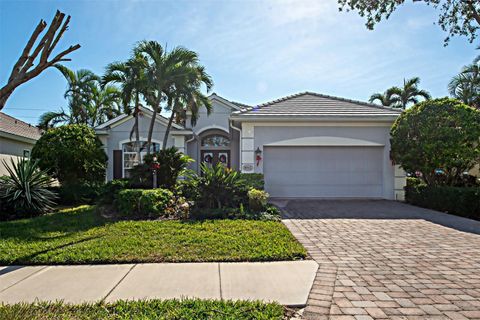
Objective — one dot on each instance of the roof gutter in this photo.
(17, 137)
(313, 118)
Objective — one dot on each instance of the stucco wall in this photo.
(121, 134)
(256, 135)
(13, 147)
(208, 124)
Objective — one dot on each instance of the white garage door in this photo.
(325, 172)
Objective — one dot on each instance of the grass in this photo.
(81, 236)
(152, 309)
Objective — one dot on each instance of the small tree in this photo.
(72, 153)
(437, 134)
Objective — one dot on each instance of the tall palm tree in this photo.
(165, 71)
(80, 84)
(188, 98)
(402, 97)
(88, 102)
(466, 86)
(130, 75)
(103, 104)
(385, 98)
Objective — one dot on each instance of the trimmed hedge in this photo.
(460, 201)
(253, 180)
(150, 203)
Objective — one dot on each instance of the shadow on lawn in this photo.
(52, 226)
(29, 258)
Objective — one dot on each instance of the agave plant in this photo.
(25, 190)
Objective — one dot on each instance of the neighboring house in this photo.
(16, 139)
(307, 145)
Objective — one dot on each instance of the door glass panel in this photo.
(215, 141)
(223, 158)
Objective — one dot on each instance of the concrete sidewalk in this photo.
(287, 283)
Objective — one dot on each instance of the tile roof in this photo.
(315, 104)
(11, 125)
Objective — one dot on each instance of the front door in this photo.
(212, 157)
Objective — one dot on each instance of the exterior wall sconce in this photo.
(258, 155)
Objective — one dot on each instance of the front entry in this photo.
(213, 157)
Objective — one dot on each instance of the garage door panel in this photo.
(323, 171)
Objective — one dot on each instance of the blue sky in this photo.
(255, 51)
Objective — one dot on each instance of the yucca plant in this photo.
(25, 190)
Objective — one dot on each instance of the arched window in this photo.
(130, 155)
(215, 140)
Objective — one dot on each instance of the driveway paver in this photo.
(387, 260)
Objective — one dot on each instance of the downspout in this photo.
(239, 145)
(193, 138)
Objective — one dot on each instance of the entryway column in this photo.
(247, 148)
(179, 143)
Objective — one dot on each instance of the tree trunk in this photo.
(152, 124)
(167, 132)
(137, 131)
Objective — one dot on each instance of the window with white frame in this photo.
(130, 155)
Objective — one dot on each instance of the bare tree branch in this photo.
(22, 70)
(23, 58)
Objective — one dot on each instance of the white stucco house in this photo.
(17, 139)
(307, 145)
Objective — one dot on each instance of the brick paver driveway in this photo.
(387, 260)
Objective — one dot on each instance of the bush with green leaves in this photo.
(171, 164)
(110, 190)
(75, 194)
(150, 203)
(461, 201)
(25, 190)
(257, 199)
(72, 153)
(253, 180)
(437, 134)
(219, 187)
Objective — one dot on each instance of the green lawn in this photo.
(153, 309)
(80, 235)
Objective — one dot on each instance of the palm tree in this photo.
(130, 75)
(396, 97)
(103, 104)
(188, 98)
(88, 102)
(165, 72)
(385, 98)
(79, 87)
(466, 86)
(408, 94)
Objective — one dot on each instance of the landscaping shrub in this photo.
(74, 194)
(25, 192)
(461, 201)
(219, 187)
(110, 190)
(152, 203)
(253, 180)
(269, 213)
(171, 164)
(257, 199)
(73, 154)
(437, 134)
